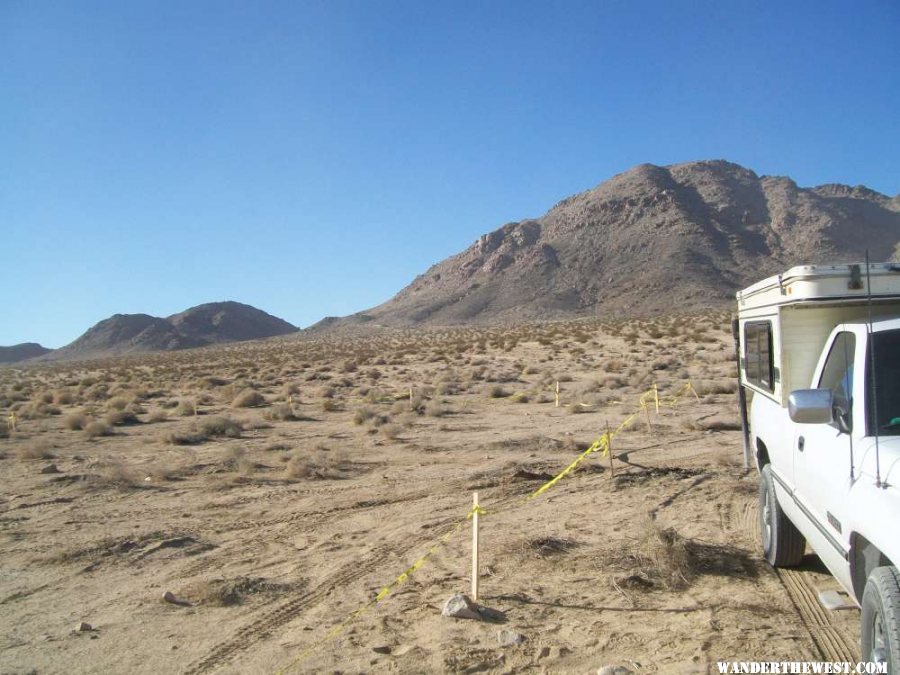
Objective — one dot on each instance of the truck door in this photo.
(822, 452)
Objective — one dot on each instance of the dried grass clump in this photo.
(158, 416)
(97, 428)
(280, 412)
(221, 425)
(116, 474)
(322, 464)
(248, 398)
(120, 418)
(39, 449)
(497, 391)
(662, 556)
(363, 415)
(75, 421)
(186, 408)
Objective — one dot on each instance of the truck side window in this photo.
(837, 374)
(887, 384)
(758, 357)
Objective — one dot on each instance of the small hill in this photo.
(21, 352)
(652, 239)
(212, 323)
(228, 322)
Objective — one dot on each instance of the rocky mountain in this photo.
(652, 239)
(228, 322)
(207, 324)
(22, 352)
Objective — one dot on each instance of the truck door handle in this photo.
(800, 443)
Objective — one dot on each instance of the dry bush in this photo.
(704, 387)
(248, 398)
(75, 421)
(322, 463)
(660, 557)
(221, 425)
(158, 416)
(330, 405)
(63, 397)
(39, 449)
(120, 418)
(97, 428)
(436, 409)
(186, 408)
(115, 473)
(236, 460)
(363, 415)
(280, 412)
(390, 431)
(117, 403)
(497, 391)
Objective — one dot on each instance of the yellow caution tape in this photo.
(601, 445)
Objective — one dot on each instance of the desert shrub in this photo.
(435, 409)
(330, 405)
(363, 415)
(117, 403)
(115, 474)
(75, 421)
(248, 398)
(280, 411)
(63, 397)
(158, 416)
(97, 428)
(39, 449)
(390, 431)
(185, 408)
(119, 418)
(221, 425)
(497, 391)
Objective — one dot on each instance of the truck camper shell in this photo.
(784, 321)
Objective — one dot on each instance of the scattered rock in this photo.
(559, 652)
(170, 597)
(83, 627)
(542, 653)
(383, 649)
(614, 670)
(458, 606)
(51, 468)
(508, 638)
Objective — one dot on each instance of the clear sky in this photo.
(311, 158)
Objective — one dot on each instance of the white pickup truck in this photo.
(819, 353)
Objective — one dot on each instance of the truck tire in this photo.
(782, 543)
(879, 623)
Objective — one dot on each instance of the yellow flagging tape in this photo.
(601, 445)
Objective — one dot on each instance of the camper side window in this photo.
(758, 357)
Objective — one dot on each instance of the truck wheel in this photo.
(880, 619)
(783, 545)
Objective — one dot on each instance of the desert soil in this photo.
(333, 481)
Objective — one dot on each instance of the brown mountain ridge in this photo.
(650, 240)
(211, 323)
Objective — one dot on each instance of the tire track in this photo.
(830, 640)
(833, 645)
(262, 627)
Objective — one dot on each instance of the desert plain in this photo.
(242, 508)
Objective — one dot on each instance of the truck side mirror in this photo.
(811, 406)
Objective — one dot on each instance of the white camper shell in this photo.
(792, 314)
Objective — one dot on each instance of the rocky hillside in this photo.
(653, 239)
(207, 324)
(22, 352)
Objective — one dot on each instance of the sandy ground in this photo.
(271, 540)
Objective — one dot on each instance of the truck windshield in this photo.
(887, 384)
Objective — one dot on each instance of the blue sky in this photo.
(311, 158)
